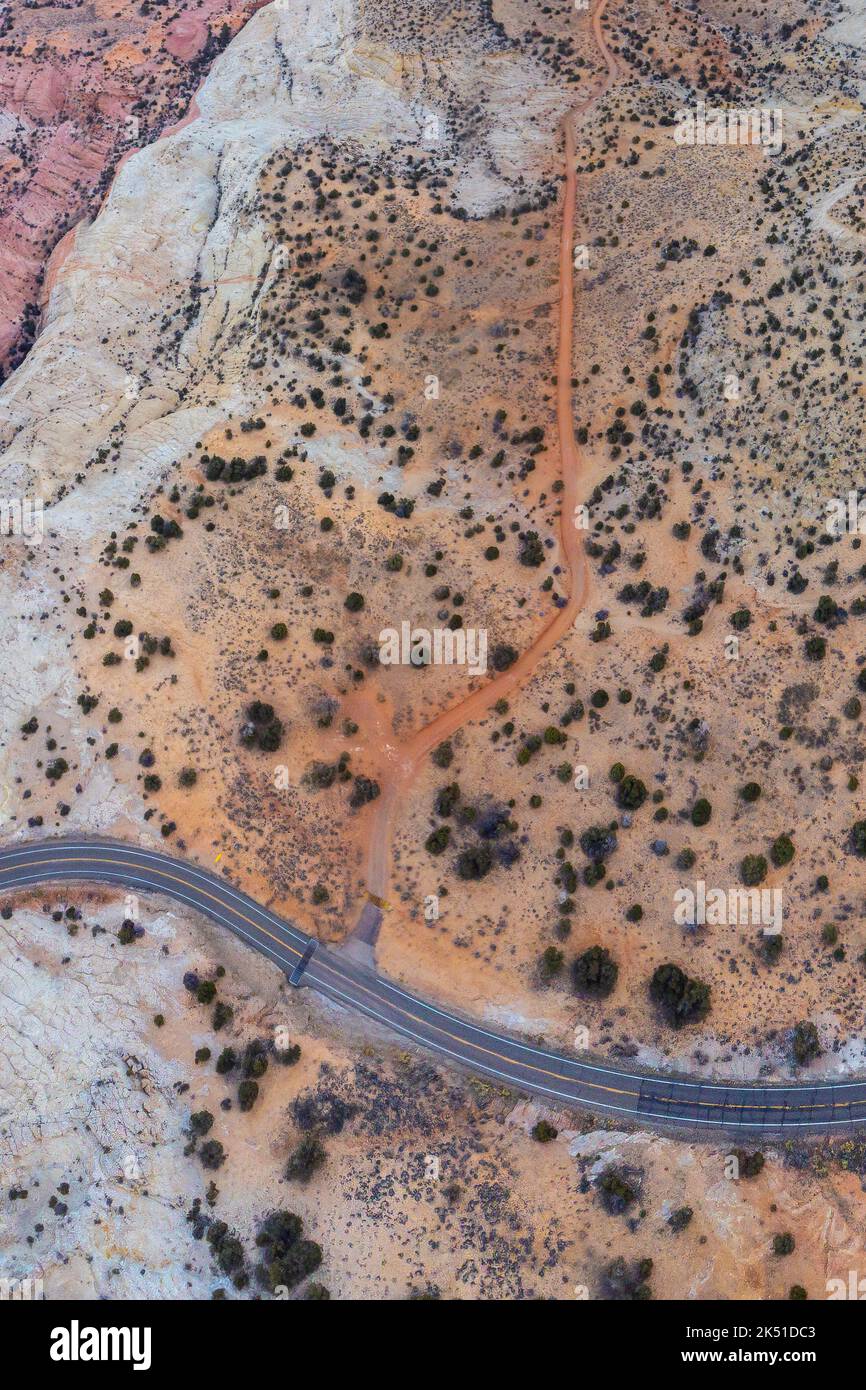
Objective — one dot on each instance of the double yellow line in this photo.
(404, 1013)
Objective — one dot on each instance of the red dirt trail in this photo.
(413, 749)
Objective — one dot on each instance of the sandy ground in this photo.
(327, 362)
(432, 1182)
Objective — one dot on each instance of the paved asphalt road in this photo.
(548, 1075)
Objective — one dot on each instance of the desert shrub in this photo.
(261, 728)
(815, 648)
(598, 843)
(443, 755)
(544, 1132)
(679, 1219)
(437, 841)
(355, 285)
(222, 1014)
(226, 1061)
(617, 1189)
(503, 656)
(625, 1283)
(248, 1092)
(630, 793)
(805, 1043)
(212, 1154)
(305, 1159)
(771, 947)
(552, 961)
(595, 972)
(255, 1058)
(475, 862)
(531, 551)
(858, 837)
(446, 799)
(319, 776)
(753, 870)
(749, 1164)
(364, 789)
(681, 999)
(287, 1258)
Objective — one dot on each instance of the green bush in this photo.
(753, 870)
(749, 1164)
(805, 1044)
(595, 972)
(552, 961)
(222, 1014)
(544, 1132)
(437, 841)
(616, 1189)
(305, 1159)
(681, 999)
(287, 1258)
(771, 947)
(630, 793)
(782, 851)
(212, 1154)
(248, 1092)
(858, 837)
(443, 755)
(679, 1219)
(474, 863)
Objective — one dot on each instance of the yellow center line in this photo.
(558, 1076)
(174, 878)
(455, 1037)
(404, 1013)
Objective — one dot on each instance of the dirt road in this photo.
(402, 771)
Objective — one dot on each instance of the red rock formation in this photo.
(73, 102)
(186, 37)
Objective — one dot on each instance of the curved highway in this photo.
(559, 1079)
